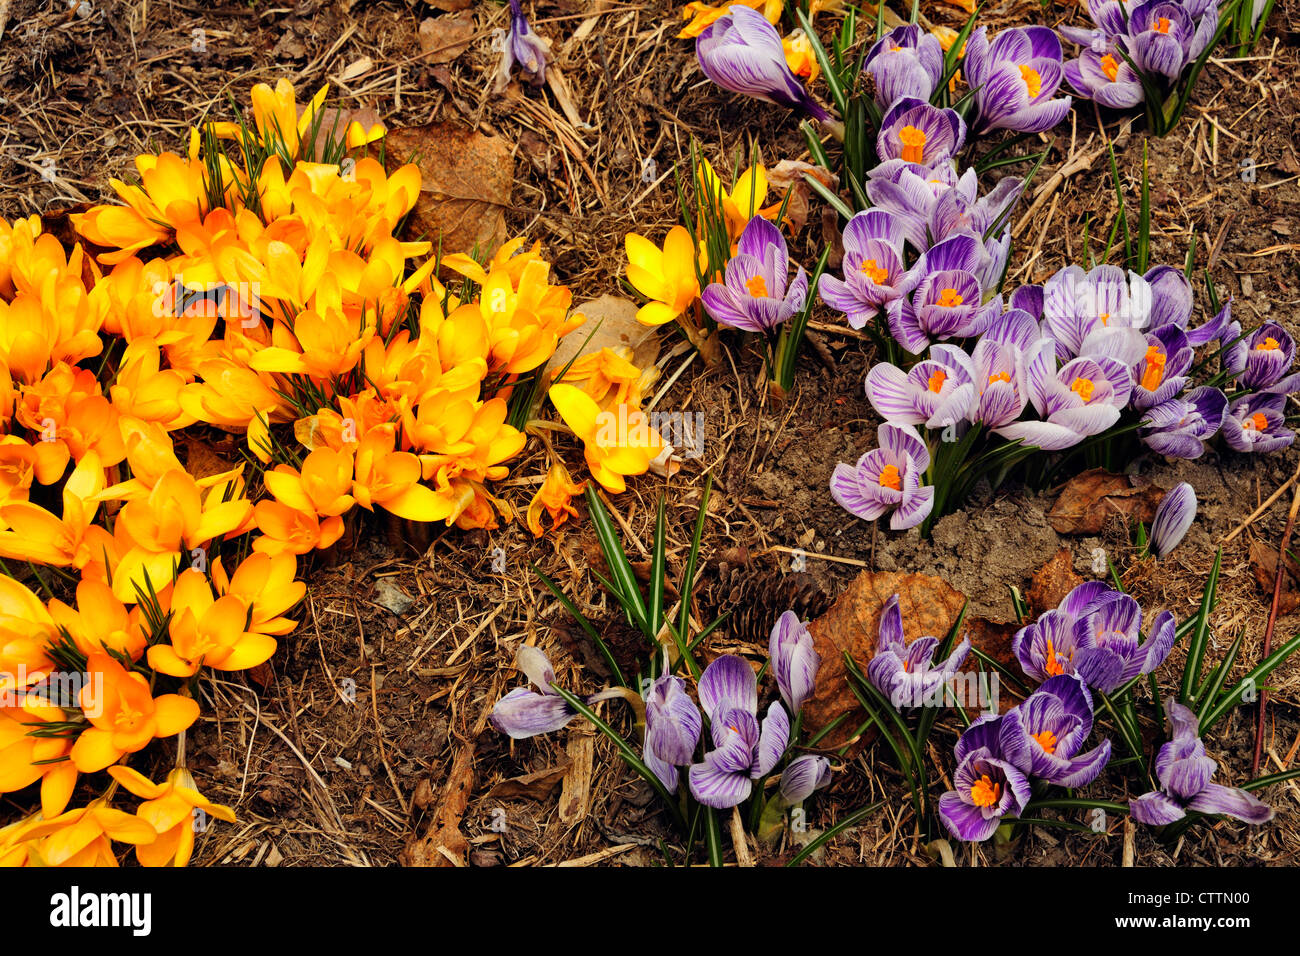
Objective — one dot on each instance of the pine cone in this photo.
(758, 592)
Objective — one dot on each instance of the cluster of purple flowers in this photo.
(743, 748)
(1095, 635)
(1054, 365)
(1156, 40)
(1043, 738)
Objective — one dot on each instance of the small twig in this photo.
(1262, 508)
(1268, 631)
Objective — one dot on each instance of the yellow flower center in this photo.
(890, 478)
(1000, 377)
(757, 287)
(950, 299)
(1109, 67)
(985, 792)
(1155, 370)
(1257, 422)
(1161, 25)
(937, 380)
(127, 719)
(913, 142)
(1268, 345)
(872, 270)
(1033, 82)
(1046, 740)
(1083, 388)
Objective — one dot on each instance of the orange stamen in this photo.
(1110, 67)
(1033, 82)
(1270, 344)
(890, 478)
(950, 299)
(913, 142)
(1000, 377)
(1257, 422)
(1046, 740)
(1155, 370)
(872, 270)
(1083, 388)
(937, 380)
(1053, 666)
(1161, 25)
(985, 793)
(757, 287)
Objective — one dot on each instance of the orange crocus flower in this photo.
(81, 837)
(124, 715)
(553, 499)
(169, 809)
(265, 584)
(207, 631)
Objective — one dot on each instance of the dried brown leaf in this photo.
(465, 185)
(1090, 500)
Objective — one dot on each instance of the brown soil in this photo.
(345, 751)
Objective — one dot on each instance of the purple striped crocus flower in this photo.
(874, 271)
(1184, 772)
(910, 193)
(907, 62)
(1105, 77)
(915, 132)
(1046, 648)
(936, 392)
(1109, 649)
(1256, 423)
(1163, 38)
(988, 786)
(757, 294)
(794, 660)
(1174, 515)
(906, 674)
(1162, 372)
(1043, 736)
(887, 478)
(1111, 21)
(742, 52)
(1014, 78)
(743, 752)
(1171, 306)
(1098, 312)
(1083, 398)
(672, 729)
(526, 713)
(523, 47)
(1262, 359)
(803, 776)
(946, 302)
(1180, 427)
(999, 367)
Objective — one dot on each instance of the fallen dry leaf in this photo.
(1052, 582)
(1263, 563)
(465, 184)
(443, 844)
(611, 323)
(450, 6)
(791, 176)
(533, 786)
(1093, 498)
(929, 605)
(444, 38)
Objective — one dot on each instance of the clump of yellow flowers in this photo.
(258, 285)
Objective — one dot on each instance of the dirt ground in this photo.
(377, 704)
